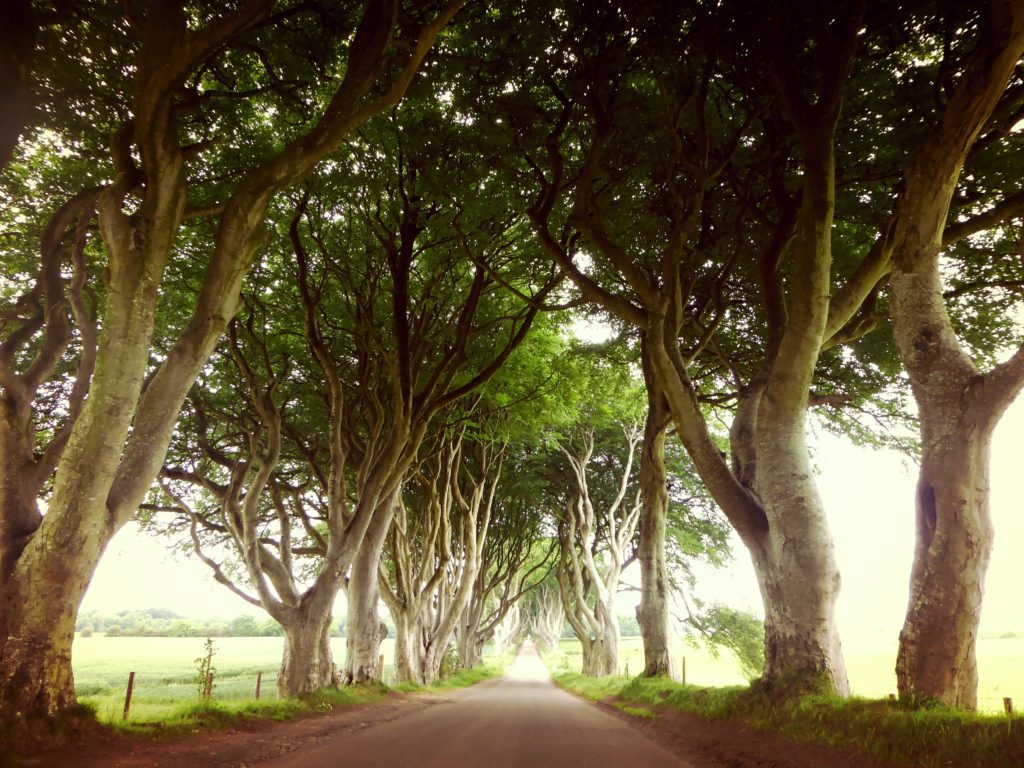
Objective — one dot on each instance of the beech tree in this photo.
(434, 554)
(515, 560)
(116, 443)
(597, 538)
(958, 404)
(547, 616)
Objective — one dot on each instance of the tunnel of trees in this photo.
(301, 284)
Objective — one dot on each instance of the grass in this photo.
(165, 696)
(870, 661)
(922, 738)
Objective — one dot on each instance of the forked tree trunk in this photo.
(470, 650)
(959, 406)
(603, 656)
(431, 659)
(365, 630)
(652, 614)
(407, 650)
(469, 644)
(307, 666)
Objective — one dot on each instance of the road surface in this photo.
(520, 721)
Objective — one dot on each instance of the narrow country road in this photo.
(522, 720)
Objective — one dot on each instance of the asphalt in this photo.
(520, 721)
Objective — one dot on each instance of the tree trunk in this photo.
(795, 558)
(431, 659)
(959, 406)
(19, 513)
(469, 644)
(936, 656)
(603, 656)
(652, 614)
(307, 665)
(471, 651)
(407, 650)
(365, 630)
(39, 616)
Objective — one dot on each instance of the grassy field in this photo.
(870, 664)
(165, 672)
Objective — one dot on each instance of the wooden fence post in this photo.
(259, 679)
(1008, 705)
(684, 671)
(627, 669)
(128, 694)
(380, 668)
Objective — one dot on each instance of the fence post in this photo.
(380, 668)
(627, 669)
(684, 671)
(259, 679)
(1008, 705)
(128, 694)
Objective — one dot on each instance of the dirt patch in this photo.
(731, 744)
(243, 745)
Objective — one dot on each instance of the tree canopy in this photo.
(302, 284)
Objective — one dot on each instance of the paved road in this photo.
(520, 721)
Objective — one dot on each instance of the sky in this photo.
(868, 494)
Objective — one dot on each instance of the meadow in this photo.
(165, 670)
(870, 663)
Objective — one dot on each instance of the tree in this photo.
(597, 543)
(115, 443)
(958, 405)
(434, 555)
(548, 616)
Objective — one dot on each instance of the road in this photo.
(521, 720)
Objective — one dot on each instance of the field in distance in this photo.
(165, 670)
(166, 674)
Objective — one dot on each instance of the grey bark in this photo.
(365, 630)
(103, 474)
(652, 613)
(307, 666)
(958, 405)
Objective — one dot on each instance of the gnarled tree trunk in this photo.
(408, 664)
(307, 666)
(959, 406)
(365, 630)
(105, 471)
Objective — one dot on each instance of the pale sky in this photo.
(869, 496)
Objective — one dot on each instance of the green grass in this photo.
(165, 695)
(870, 661)
(165, 673)
(925, 738)
(636, 711)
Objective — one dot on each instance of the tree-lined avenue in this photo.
(519, 720)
